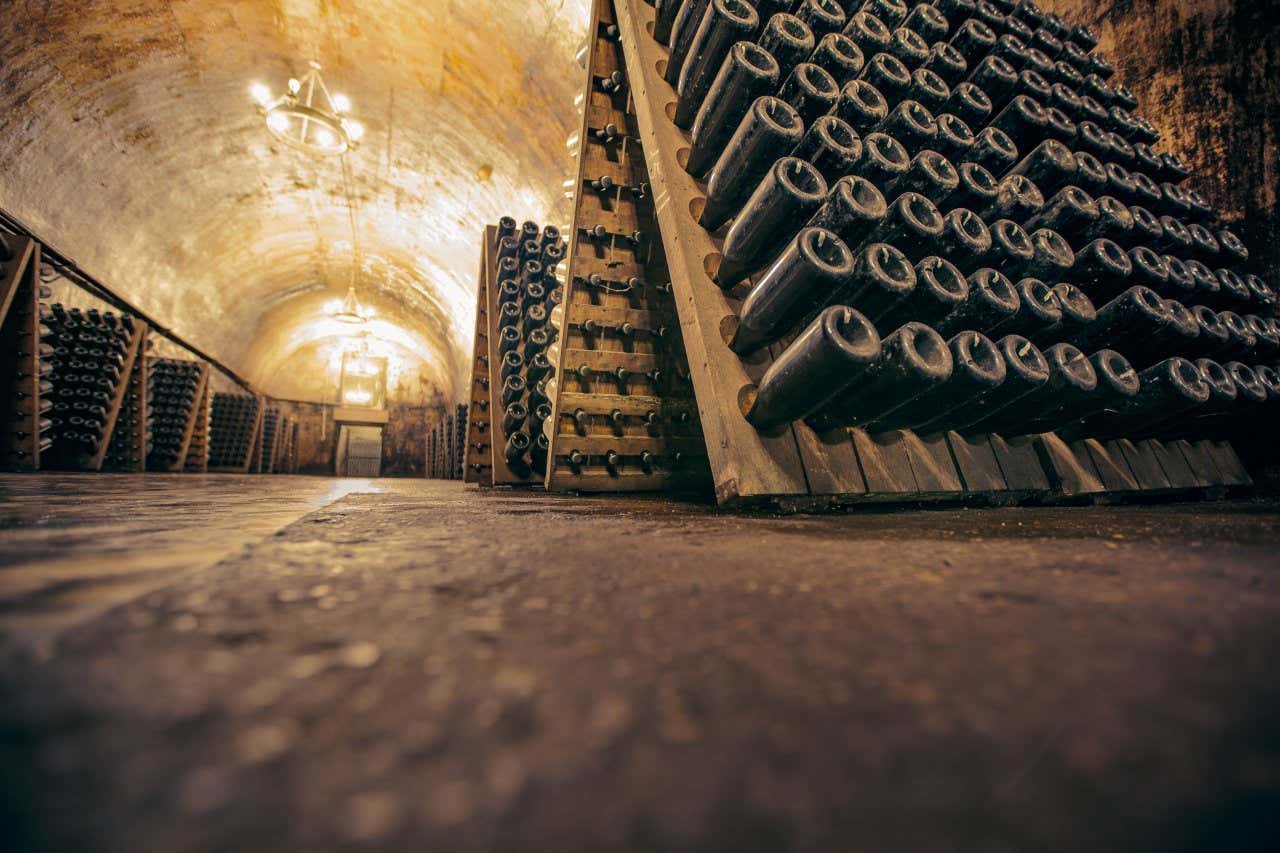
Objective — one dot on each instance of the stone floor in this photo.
(293, 664)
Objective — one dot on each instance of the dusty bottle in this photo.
(994, 151)
(1102, 268)
(1023, 119)
(789, 40)
(1050, 165)
(1038, 310)
(887, 73)
(829, 355)
(812, 268)
(725, 23)
(1138, 312)
(861, 105)
(823, 17)
(947, 62)
(973, 39)
(1071, 378)
(884, 160)
(1069, 211)
(971, 104)
(747, 73)
(928, 21)
(892, 12)
(991, 301)
(954, 138)
(929, 174)
(882, 277)
(853, 208)
(940, 289)
(831, 146)
(912, 225)
(977, 368)
(964, 236)
(810, 90)
(996, 77)
(1026, 370)
(665, 12)
(868, 32)
(1166, 390)
(790, 193)
(908, 47)
(683, 31)
(976, 190)
(1017, 198)
(1149, 269)
(770, 129)
(911, 124)
(837, 54)
(913, 360)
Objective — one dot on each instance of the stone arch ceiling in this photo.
(129, 141)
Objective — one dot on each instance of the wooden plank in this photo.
(132, 353)
(1112, 468)
(931, 464)
(197, 455)
(744, 463)
(1142, 461)
(885, 465)
(594, 444)
(1019, 463)
(132, 440)
(976, 463)
(1229, 465)
(1174, 465)
(613, 316)
(1070, 472)
(830, 463)
(606, 361)
(1201, 464)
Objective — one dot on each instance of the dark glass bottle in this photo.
(1076, 311)
(929, 89)
(928, 21)
(829, 355)
(831, 146)
(861, 105)
(940, 289)
(683, 31)
(992, 300)
(1166, 390)
(1026, 369)
(1038, 310)
(809, 272)
(853, 208)
(994, 151)
(965, 237)
(909, 47)
(1146, 227)
(1017, 199)
(789, 194)
(1102, 268)
(810, 90)
(929, 174)
(665, 12)
(911, 124)
(954, 139)
(977, 367)
(882, 276)
(868, 32)
(1149, 269)
(770, 129)
(971, 104)
(789, 40)
(973, 39)
(1070, 211)
(913, 360)
(747, 73)
(912, 225)
(976, 189)
(996, 77)
(1136, 313)
(947, 62)
(1071, 377)
(887, 73)
(839, 56)
(823, 17)
(1010, 246)
(1052, 258)
(1023, 119)
(725, 23)
(883, 159)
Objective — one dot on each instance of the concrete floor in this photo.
(410, 665)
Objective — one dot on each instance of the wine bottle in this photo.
(887, 73)
(940, 289)
(947, 62)
(861, 105)
(911, 124)
(930, 174)
(790, 193)
(683, 31)
(809, 272)
(913, 360)
(977, 367)
(994, 151)
(724, 23)
(883, 160)
(770, 129)
(853, 208)
(831, 146)
(810, 90)
(1017, 198)
(964, 236)
(829, 355)
(991, 301)
(882, 276)
(1026, 370)
(747, 73)
(837, 54)
(977, 188)
(789, 40)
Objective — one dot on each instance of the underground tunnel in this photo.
(639, 425)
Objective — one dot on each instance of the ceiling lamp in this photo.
(308, 117)
(351, 312)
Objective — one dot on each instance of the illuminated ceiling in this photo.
(128, 140)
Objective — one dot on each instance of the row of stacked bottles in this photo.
(446, 445)
(966, 220)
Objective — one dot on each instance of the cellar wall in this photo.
(1208, 75)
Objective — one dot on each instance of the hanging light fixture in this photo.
(351, 311)
(308, 117)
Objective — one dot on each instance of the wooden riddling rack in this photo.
(617, 279)
(127, 446)
(797, 466)
(446, 445)
(478, 465)
(23, 406)
(162, 402)
(235, 430)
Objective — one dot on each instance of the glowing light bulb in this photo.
(260, 93)
(279, 122)
(294, 86)
(355, 130)
(325, 137)
(341, 103)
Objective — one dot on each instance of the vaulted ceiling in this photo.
(128, 140)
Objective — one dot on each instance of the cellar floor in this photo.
(302, 664)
